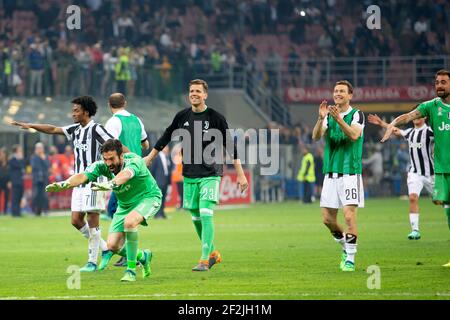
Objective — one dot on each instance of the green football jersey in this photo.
(438, 114)
(130, 135)
(141, 185)
(341, 154)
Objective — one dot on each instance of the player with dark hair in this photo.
(437, 111)
(421, 171)
(202, 175)
(87, 138)
(138, 195)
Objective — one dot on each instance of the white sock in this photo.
(341, 241)
(414, 221)
(85, 231)
(103, 244)
(94, 242)
(350, 248)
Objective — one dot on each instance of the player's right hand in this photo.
(57, 186)
(102, 186)
(374, 119)
(323, 109)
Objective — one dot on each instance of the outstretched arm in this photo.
(148, 159)
(376, 120)
(44, 128)
(73, 181)
(403, 119)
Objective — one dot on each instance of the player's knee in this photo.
(413, 197)
(129, 224)
(438, 202)
(328, 221)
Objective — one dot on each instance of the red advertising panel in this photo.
(363, 94)
(229, 192)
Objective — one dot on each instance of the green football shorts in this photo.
(441, 187)
(199, 193)
(147, 208)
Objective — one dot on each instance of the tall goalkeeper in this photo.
(139, 198)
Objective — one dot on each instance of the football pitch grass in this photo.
(270, 251)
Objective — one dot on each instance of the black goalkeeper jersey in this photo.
(198, 126)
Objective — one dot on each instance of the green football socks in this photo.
(206, 217)
(447, 212)
(131, 248)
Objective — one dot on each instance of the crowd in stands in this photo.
(153, 47)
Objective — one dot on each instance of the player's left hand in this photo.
(102, 186)
(334, 112)
(242, 183)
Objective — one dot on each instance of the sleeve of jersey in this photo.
(406, 133)
(143, 133)
(132, 167)
(101, 135)
(69, 130)
(228, 143)
(96, 170)
(424, 108)
(358, 119)
(114, 127)
(167, 135)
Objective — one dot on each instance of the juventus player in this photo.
(421, 172)
(86, 137)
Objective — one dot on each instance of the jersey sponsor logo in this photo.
(81, 146)
(417, 145)
(122, 190)
(444, 127)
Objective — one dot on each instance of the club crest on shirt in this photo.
(440, 112)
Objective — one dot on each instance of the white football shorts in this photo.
(86, 200)
(341, 190)
(417, 182)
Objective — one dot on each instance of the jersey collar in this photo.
(122, 113)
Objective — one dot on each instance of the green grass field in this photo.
(270, 251)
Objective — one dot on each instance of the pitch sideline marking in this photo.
(156, 295)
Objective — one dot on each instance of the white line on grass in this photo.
(179, 295)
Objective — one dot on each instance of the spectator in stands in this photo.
(40, 169)
(16, 167)
(4, 181)
(63, 59)
(36, 64)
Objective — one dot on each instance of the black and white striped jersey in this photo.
(86, 143)
(421, 146)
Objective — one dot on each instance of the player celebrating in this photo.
(201, 178)
(437, 111)
(130, 130)
(87, 137)
(421, 172)
(342, 126)
(138, 195)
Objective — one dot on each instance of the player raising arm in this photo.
(437, 111)
(139, 198)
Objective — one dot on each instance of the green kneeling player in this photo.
(139, 198)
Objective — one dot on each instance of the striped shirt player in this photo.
(86, 137)
(86, 142)
(421, 170)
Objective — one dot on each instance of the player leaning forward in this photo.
(342, 127)
(139, 198)
(438, 113)
(202, 174)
